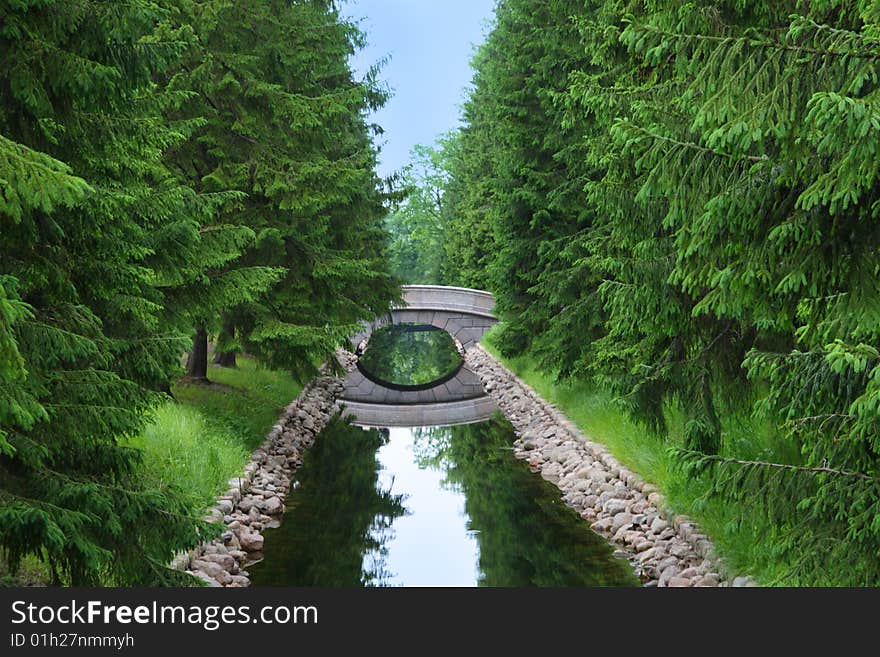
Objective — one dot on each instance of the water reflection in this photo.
(527, 535)
(430, 507)
(338, 520)
(410, 355)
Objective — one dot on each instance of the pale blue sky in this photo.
(429, 44)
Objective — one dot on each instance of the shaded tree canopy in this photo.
(165, 167)
(678, 201)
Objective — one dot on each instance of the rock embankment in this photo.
(664, 549)
(255, 500)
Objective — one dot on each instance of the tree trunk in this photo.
(225, 358)
(197, 363)
(165, 387)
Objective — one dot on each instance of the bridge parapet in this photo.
(449, 299)
(464, 313)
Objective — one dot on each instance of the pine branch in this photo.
(697, 147)
(824, 469)
(774, 45)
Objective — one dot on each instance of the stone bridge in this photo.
(466, 315)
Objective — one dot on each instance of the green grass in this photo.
(199, 441)
(203, 438)
(247, 399)
(183, 449)
(748, 541)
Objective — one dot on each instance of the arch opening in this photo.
(410, 357)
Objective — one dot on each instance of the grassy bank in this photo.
(204, 437)
(198, 441)
(745, 537)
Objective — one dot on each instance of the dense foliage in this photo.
(166, 168)
(679, 201)
(417, 222)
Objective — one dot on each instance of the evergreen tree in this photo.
(86, 205)
(285, 127)
(683, 209)
(516, 183)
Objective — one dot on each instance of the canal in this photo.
(426, 506)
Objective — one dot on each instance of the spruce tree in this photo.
(285, 127)
(86, 206)
(717, 244)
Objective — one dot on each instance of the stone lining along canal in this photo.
(447, 506)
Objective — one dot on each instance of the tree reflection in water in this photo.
(339, 531)
(410, 354)
(527, 535)
(338, 520)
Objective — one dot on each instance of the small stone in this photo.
(680, 550)
(650, 553)
(207, 579)
(678, 582)
(238, 555)
(668, 573)
(225, 561)
(666, 563)
(708, 580)
(272, 506)
(550, 476)
(614, 506)
(251, 541)
(621, 519)
(602, 526)
(703, 547)
(659, 525)
(640, 507)
(213, 570)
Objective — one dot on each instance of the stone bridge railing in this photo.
(464, 313)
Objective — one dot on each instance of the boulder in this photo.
(272, 506)
(212, 570)
(251, 541)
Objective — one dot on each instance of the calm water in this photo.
(430, 507)
(410, 354)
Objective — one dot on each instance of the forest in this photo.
(676, 203)
(170, 170)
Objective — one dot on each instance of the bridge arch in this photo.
(465, 314)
